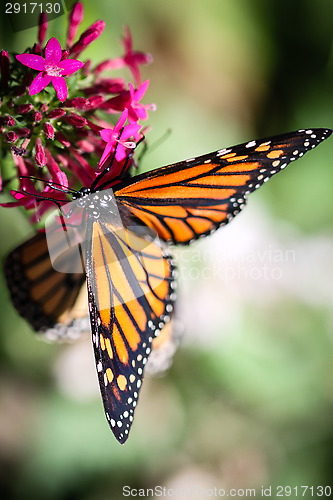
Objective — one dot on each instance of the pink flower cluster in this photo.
(50, 121)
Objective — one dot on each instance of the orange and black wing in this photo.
(130, 292)
(44, 297)
(193, 198)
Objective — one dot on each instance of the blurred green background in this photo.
(248, 400)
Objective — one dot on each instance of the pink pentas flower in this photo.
(136, 110)
(117, 138)
(61, 143)
(132, 59)
(52, 69)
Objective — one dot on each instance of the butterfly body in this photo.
(131, 278)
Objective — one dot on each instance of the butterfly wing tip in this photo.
(121, 438)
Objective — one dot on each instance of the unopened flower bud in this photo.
(88, 37)
(11, 136)
(48, 130)
(23, 132)
(22, 109)
(42, 27)
(56, 113)
(8, 121)
(76, 102)
(75, 20)
(75, 120)
(60, 137)
(37, 116)
(40, 157)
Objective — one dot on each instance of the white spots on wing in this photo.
(251, 144)
(223, 151)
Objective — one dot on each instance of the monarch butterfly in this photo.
(130, 298)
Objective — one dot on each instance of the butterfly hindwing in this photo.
(190, 199)
(130, 290)
(43, 296)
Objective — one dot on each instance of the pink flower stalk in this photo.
(42, 28)
(117, 138)
(136, 110)
(75, 20)
(52, 69)
(131, 59)
(4, 68)
(88, 37)
(106, 86)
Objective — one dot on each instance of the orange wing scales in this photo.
(137, 279)
(191, 199)
(43, 296)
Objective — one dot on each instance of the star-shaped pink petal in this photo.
(52, 69)
(117, 138)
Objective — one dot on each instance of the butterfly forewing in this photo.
(193, 198)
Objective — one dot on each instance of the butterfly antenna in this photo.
(42, 198)
(59, 187)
